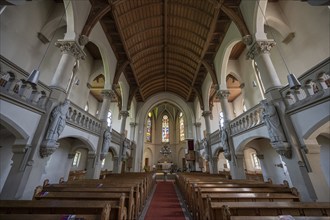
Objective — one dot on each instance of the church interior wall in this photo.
(93, 104)
(25, 49)
(307, 29)
(324, 142)
(6, 155)
(253, 94)
(28, 120)
(116, 122)
(108, 163)
(109, 60)
(79, 93)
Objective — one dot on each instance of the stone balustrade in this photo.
(215, 137)
(247, 120)
(315, 84)
(78, 117)
(22, 91)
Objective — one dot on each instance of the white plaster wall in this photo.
(221, 161)
(58, 165)
(108, 163)
(6, 155)
(79, 93)
(309, 120)
(116, 122)
(86, 137)
(27, 119)
(311, 26)
(93, 105)
(214, 123)
(233, 35)
(18, 38)
(98, 37)
(252, 94)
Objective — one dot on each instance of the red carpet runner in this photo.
(165, 204)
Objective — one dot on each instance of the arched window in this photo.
(149, 127)
(165, 129)
(261, 85)
(109, 119)
(76, 159)
(255, 161)
(181, 127)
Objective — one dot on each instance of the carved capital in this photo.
(197, 124)
(132, 124)
(223, 94)
(125, 114)
(260, 47)
(71, 47)
(283, 149)
(206, 113)
(107, 93)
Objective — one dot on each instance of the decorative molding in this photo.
(223, 94)
(260, 47)
(107, 93)
(71, 47)
(125, 114)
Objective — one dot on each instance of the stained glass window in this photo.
(149, 127)
(181, 127)
(165, 129)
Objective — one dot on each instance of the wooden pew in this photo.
(225, 210)
(54, 209)
(133, 197)
(243, 191)
(118, 200)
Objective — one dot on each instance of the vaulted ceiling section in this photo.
(165, 45)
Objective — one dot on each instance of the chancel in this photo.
(100, 98)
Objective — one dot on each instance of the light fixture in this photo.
(293, 82)
(33, 78)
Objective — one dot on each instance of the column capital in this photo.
(222, 94)
(260, 47)
(133, 124)
(71, 47)
(124, 113)
(198, 124)
(107, 93)
(206, 113)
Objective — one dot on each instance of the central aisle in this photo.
(165, 203)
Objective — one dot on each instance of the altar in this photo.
(164, 166)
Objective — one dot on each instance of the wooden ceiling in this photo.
(166, 45)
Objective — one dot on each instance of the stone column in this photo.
(198, 130)
(94, 169)
(71, 51)
(206, 115)
(215, 164)
(227, 112)
(260, 52)
(237, 167)
(116, 164)
(15, 182)
(124, 115)
(133, 150)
